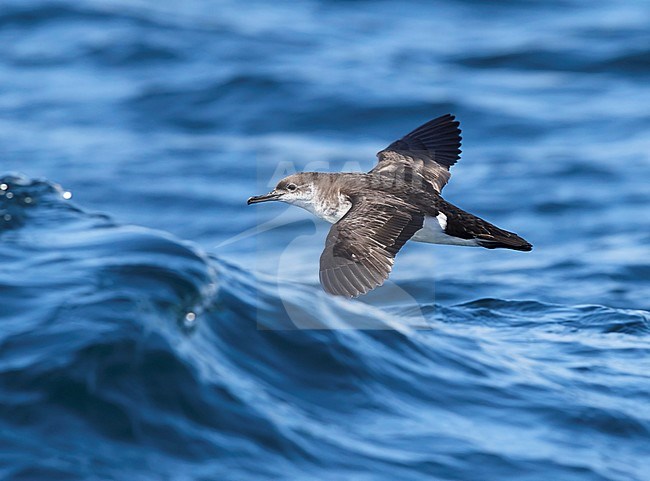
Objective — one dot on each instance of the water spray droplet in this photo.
(4, 186)
(67, 195)
(10, 195)
(189, 321)
(7, 217)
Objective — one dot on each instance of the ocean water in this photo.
(154, 327)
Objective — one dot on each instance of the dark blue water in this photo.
(154, 327)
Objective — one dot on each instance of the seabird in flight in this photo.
(375, 213)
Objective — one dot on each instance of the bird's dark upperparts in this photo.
(376, 213)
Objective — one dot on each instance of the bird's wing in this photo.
(360, 248)
(424, 155)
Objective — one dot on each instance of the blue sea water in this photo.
(154, 327)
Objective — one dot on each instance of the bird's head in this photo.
(295, 189)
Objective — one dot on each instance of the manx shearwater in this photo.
(376, 213)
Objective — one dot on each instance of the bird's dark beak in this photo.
(263, 198)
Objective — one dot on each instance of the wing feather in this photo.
(425, 154)
(361, 247)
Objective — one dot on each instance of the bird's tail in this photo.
(512, 241)
(464, 225)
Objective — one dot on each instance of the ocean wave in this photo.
(627, 60)
(129, 340)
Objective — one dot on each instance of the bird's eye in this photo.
(291, 187)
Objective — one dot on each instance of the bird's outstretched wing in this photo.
(424, 155)
(360, 248)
